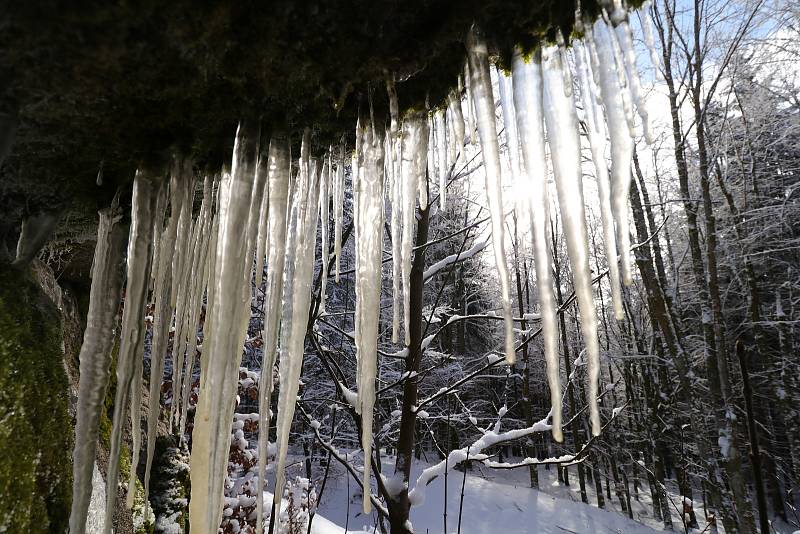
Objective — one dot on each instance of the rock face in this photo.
(97, 89)
(35, 428)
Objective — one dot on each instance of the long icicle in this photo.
(199, 281)
(510, 130)
(481, 84)
(621, 143)
(394, 157)
(414, 160)
(279, 172)
(596, 129)
(565, 148)
(324, 207)
(293, 349)
(184, 285)
(528, 105)
(624, 37)
(132, 342)
(368, 290)
(223, 344)
(95, 356)
(162, 316)
(338, 211)
(441, 155)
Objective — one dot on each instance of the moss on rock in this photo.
(36, 433)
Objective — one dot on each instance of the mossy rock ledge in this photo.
(35, 428)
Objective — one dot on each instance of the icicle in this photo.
(396, 196)
(259, 212)
(458, 122)
(510, 130)
(180, 183)
(183, 284)
(528, 94)
(481, 84)
(95, 355)
(279, 172)
(414, 153)
(628, 58)
(158, 227)
(133, 330)
(338, 211)
(471, 126)
(441, 150)
(229, 312)
(324, 206)
(647, 30)
(596, 129)
(562, 129)
(299, 293)
(183, 214)
(422, 182)
(452, 151)
(199, 280)
(621, 145)
(369, 248)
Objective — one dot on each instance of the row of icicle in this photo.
(260, 208)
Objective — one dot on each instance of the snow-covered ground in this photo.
(493, 502)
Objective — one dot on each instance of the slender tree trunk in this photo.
(400, 506)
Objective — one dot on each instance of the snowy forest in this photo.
(446, 274)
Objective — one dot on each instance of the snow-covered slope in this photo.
(490, 506)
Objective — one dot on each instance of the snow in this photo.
(492, 502)
(481, 85)
(478, 246)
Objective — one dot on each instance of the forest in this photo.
(558, 290)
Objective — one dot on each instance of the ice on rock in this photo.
(528, 103)
(132, 341)
(300, 266)
(95, 355)
(621, 142)
(562, 128)
(481, 84)
(228, 312)
(596, 129)
(369, 247)
(279, 172)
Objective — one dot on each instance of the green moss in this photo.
(36, 433)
